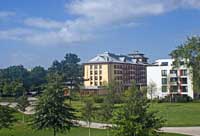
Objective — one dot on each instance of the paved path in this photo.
(192, 131)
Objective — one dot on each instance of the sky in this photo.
(37, 32)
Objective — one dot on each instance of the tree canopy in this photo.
(189, 52)
(6, 117)
(17, 80)
(134, 118)
(52, 112)
(69, 70)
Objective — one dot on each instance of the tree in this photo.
(134, 118)
(107, 109)
(18, 89)
(22, 104)
(189, 53)
(88, 112)
(6, 117)
(151, 89)
(52, 112)
(37, 78)
(69, 70)
(115, 92)
(14, 80)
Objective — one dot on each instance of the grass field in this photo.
(179, 114)
(23, 130)
(175, 114)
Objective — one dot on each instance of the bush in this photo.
(8, 99)
(177, 98)
(98, 99)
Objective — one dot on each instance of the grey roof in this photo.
(111, 57)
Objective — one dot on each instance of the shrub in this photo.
(177, 98)
(98, 99)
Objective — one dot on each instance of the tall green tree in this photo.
(88, 112)
(107, 109)
(134, 118)
(52, 112)
(115, 92)
(14, 80)
(37, 78)
(151, 89)
(6, 117)
(22, 104)
(189, 52)
(69, 70)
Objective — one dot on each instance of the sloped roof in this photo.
(111, 57)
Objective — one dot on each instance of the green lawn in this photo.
(175, 114)
(179, 114)
(23, 130)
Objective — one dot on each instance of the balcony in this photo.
(175, 83)
(173, 75)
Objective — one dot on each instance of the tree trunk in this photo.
(54, 131)
(23, 118)
(89, 130)
(108, 132)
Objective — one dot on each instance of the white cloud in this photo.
(16, 34)
(190, 3)
(43, 23)
(90, 17)
(114, 11)
(4, 14)
(38, 37)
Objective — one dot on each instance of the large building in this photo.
(108, 67)
(169, 80)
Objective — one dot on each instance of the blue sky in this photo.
(36, 32)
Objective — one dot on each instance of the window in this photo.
(173, 79)
(164, 80)
(96, 78)
(184, 72)
(100, 72)
(91, 66)
(91, 78)
(182, 63)
(164, 64)
(100, 78)
(100, 83)
(164, 89)
(91, 83)
(95, 66)
(174, 89)
(173, 72)
(95, 83)
(91, 72)
(164, 72)
(95, 72)
(100, 66)
(183, 80)
(184, 88)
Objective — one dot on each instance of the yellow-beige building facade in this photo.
(122, 69)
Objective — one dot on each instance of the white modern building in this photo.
(167, 80)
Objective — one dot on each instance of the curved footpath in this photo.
(192, 131)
